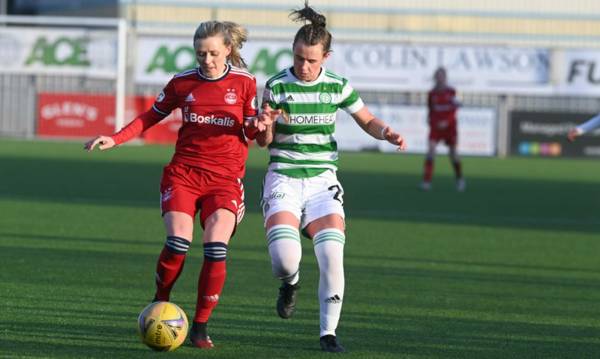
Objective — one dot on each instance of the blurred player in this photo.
(587, 126)
(442, 105)
(217, 100)
(301, 189)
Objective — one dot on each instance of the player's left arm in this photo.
(377, 128)
(354, 105)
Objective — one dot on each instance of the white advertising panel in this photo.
(51, 51)
(579, 73)
(371, 66)
(470, 68)
(476, 130)
(159, 58)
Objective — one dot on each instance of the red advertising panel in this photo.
(75, 115)
(82, 115)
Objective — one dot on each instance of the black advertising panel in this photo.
(544, 134)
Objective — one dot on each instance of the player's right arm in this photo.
(587, 126)
(268, 117)
(165, 102)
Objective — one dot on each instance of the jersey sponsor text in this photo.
(209, 120)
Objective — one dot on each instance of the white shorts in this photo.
(307, 198)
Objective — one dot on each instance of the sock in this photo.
(286, 251)
(428, 170)
(169, 266)
(211, 281)
(329, 249)
(457, 169)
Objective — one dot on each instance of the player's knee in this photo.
(285, 250)
(285, 264)
(284, 268)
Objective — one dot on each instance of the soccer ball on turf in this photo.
(163, 326)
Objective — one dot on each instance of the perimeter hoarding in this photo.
(75, 115)
(92, 53)
(370, 66)
(476, 129)
(544, 134)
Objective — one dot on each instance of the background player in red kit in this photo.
(218, 103)
(442, 105)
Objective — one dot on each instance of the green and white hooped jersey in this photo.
(304, 144)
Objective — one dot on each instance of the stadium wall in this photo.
(501, 78)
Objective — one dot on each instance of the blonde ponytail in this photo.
(237, 36)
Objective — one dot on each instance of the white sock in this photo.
(286, 251)
(329, 249)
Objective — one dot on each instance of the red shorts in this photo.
(189, 190)
(449, 135)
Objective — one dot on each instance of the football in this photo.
(163, 326)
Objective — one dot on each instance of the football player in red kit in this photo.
(442, 105)
(218, 103)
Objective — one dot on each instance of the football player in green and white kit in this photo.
(301, 189)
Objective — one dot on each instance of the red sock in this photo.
(457, 169)
(211, 281)
(428, 171)
(169, 266)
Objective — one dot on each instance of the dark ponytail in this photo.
(315, 32)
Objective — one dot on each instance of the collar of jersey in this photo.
(201, 75)
(304, 83)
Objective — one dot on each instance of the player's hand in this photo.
(103, 143)
(394, 138)
(259, 123)
(267, 116)
(573, 134)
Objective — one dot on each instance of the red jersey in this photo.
(442, 106)
(213, 110)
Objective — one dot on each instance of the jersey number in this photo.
(338, 193)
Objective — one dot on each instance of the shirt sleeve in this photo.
(137, 126)
(251, 103)
(250, 108)
(589, 125)
(351, 102)
(269, 98)
(167, 100)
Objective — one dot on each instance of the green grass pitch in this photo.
(508, 269)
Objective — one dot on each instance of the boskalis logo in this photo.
(193, 117)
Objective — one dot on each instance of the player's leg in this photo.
(324, 216)
(179, 209)
(179, 227)
(285, 250)
(457, 165)
(282, 211)
(220, 213)
(428, 165)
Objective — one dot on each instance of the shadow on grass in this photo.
(488, 202)
(245, 323)
(389, 336)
